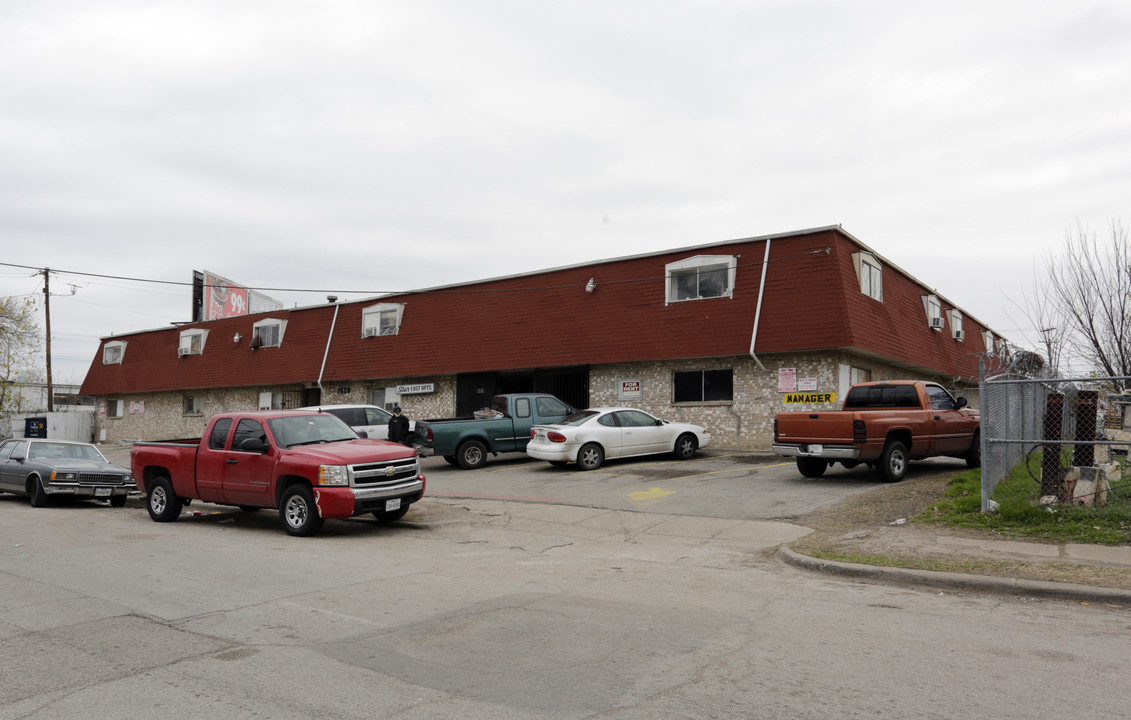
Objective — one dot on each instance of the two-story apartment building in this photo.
(724, 335)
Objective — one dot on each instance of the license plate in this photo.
(391, 505)
(101, 492)
(816, 449)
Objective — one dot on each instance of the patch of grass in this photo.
(1020, 514)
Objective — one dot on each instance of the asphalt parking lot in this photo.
(715, 483)
(719, 483)
(513, 591)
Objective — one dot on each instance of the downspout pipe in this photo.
(326, 354)
(758, 311)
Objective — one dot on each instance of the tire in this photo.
(117, 501)
(590, 456)
(162, 503)
(892, 465)
(471, 454)
(298, 513)
(685, 446)
(383, 516)
(812, 467)
(35, 492)
(451, 460)
(973, 456)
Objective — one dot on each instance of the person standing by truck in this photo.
(398, 427)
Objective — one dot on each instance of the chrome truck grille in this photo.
(392, 472)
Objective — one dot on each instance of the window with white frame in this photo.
(870, 273)
(115, 408)
(113, 352)
(382, 319)
(192, 342)
(955, 318)
(934, 311)
(268, 333)
(988, 341)
(701, 277)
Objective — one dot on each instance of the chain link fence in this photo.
(1054, 442)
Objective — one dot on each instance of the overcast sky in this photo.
(377, 146)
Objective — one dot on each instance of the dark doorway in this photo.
(475, 390)
(311, 397)
(569, 384)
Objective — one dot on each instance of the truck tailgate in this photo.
(833, 427)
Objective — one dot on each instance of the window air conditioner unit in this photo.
(936, 323)
(959, 335)
(181, 352)
(370, 332)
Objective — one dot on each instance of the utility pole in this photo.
(47, 310)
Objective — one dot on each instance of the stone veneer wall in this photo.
(160, 416)
(745, 423)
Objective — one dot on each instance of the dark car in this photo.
(43, 468)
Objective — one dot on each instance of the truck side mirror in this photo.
(961, 403)
(362, 434)
(255, 445)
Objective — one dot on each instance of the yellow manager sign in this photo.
(809, 398)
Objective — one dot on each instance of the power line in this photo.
(385, 292)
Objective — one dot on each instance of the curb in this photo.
(959, 582)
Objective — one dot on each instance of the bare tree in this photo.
(19, 344)
(1089, 286)
(1051, 329)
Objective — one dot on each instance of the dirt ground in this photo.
(861, 530)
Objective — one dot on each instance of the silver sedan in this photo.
(588, 437)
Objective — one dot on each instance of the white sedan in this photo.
(587, 437)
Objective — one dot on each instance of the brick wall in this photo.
(746, 422)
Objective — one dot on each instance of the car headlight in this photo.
(64, 475)
(333, 475)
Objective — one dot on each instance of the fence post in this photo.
(1052, 474)
(1087, 404)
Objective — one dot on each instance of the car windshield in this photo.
(579, 417)
(298, 430)
(57, 451)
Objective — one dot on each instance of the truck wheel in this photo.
(812, 467)
(973, 456)
(35, 492)
(298, 513)
(892, 466)
(162, 503)
(685, 446)
(590, 456)
(472, 454)
(392, 516)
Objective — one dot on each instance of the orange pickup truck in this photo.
(883, 425)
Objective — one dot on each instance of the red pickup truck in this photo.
(882, 424)
(309, 465)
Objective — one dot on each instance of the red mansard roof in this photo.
(547, 319)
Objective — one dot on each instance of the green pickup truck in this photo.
(504, 427)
